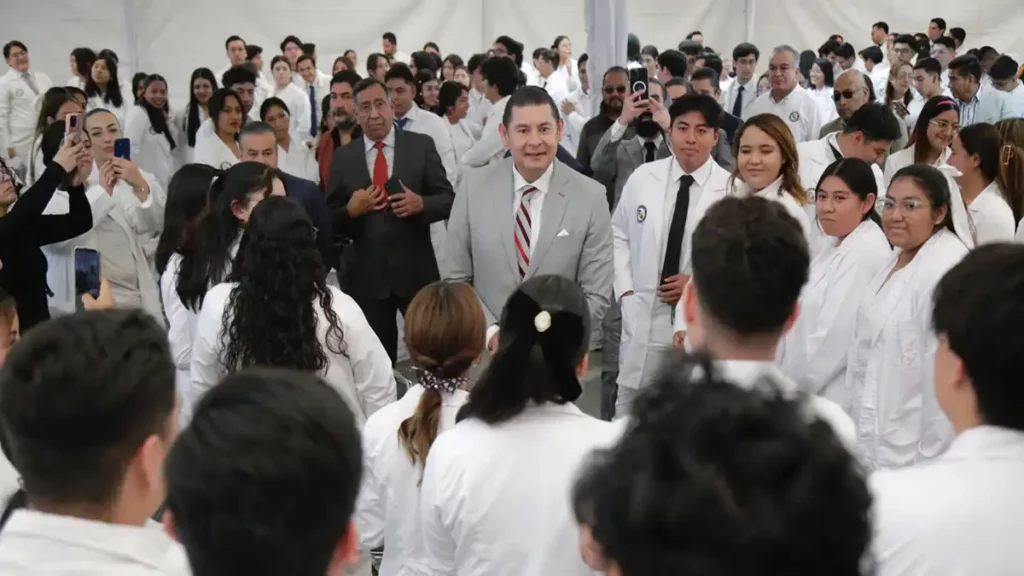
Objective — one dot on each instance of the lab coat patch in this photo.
(641, 213)
(18, 93)
(794, 116)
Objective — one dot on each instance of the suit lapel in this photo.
(357, 148)
(505, 223)
(400, 144)
(551, 218)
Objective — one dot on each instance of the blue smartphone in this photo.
(87, 274)
(123, 148)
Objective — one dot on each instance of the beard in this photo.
(344, 122)
(646, 127)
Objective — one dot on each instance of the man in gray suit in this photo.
(528, 215)
(978, 104)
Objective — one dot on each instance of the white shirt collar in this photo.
(412, 114)
(792, 92)
(992, 441)
(542, 184)
(700, 175)
(991, 190)
(389, 141)
(747, 373)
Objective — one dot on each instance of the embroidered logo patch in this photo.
(641, 213)
(794, 116)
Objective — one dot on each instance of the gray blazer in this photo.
(575, 238)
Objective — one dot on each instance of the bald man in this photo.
(852, 89)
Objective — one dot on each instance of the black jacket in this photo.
(312, 199)
(24, 229)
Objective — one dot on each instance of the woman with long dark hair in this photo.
(55, 106)
(105, 90)
(994, 211)
(813, 353)
(187, 197)
(444, 332)
(294, 98)
(276, 309)
(495, 485)
(152, 131)
(892, 351)
(81, 66)
(220, 148)
(822, 79)
(929, 143)
(202, 85)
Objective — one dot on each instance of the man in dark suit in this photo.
(259, 144)
(387, 188)
(706, 81)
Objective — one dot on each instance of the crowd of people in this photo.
(803, 285)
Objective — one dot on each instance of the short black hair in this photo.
(906, 39)
(706, 105)
(238, 75)
(303, 58)
(12, 45)
(872, 54)
(947, 42)
(390, 37)
(694, 33)
(884, 26)
(78, 396)
(265, 478)
(546, 54)
(713, 61)
(674, 61)
(940, 22)
(400, 71)
(679, 81)
(929, 65)
(350, 77)
(706, 74)
(979, 310)
(252, 51)
(474, 62)
(714, 478)
(529, 96)
(744, 49)
(432, 45)
(845, 50)
(449, 94)
(308, 48)
(291, 39)
(876, 122)
(964, 65)
(1004, 68)
(264, 108)
(959, 34)
(829, 47)
(366, 84)
(501, 73)
(691, 48)
(372, 60)
(233, 38)
(650, 50)
(750, 262)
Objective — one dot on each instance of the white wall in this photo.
(174, 37)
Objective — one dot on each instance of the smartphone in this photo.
(73, 127)
(123, 148)
(393, 186)
(87, 274)
(638, 81)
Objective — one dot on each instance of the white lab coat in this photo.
(388, 510)
(141, 221)
(18, 112)
(639, 233)
(775, 193)
(814, 352)
(556, 85)
(1015, 101)
(464, 135)
(992, 216)
(181, 325)
(429, 124)
(119, 112)
(212, 151)
(574, 122)
(362, 376)
(39, 544)
(298, 108)
(826, 106)
(489, 147)
(151, 151)
(187, 152)
(890, 363)
(299, 160)
(798, 110)
(904, 158)
(495, 499)
(479, 107)
(959, 515)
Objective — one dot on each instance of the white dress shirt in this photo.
(489, 147)
(362, 376)
(1016, 100)
(388, 151)
(495, 499)
(429, 124)
(298, 160)
(733, 92)
(992, 216)
(39, 544)
(959, 515)
(18, 113)
(388, 510)
(298, 108)
(798, 110)
(479, 107)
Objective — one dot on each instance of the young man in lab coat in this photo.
(750, 263)
(962, 513)
(19, 90)
(89, 412)
(661, 204)
(265, 478)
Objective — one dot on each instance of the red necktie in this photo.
(380, 167)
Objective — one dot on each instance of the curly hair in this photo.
(271, 316)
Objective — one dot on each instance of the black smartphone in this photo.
(87, 274)
(393, 186)
(638, 81)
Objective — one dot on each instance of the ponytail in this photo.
(418, 432)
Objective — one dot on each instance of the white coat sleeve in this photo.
(437, 495)
(446, 149)
(5, 117)
(99, 202)
(207, 368)
(179, 332)
(371, 366)
(936, 431)
(620, 239)
(831, 330)
(145, 218)
(371, 505)
(304, 120)
(135, 127)
(487, 147)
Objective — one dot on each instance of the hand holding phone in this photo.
(123, 148)
(73, 128)
(638, 82)
(87, 274)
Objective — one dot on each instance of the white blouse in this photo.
(298, 108)
(362, 376)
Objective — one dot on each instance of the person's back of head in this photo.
(264, 480)
(750, 262)
(977, 317)
(236, 75)
(872, 54)
(89, 410)
(501, 73)
(542, 351)
(876, 122)
(674, 61)
(690, 48)
(711, 478)
(1004, 69)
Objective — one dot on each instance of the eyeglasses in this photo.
(946, 125)
(615, 89)
(840, 94)
(908, 206)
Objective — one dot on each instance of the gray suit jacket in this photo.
(837, 126)
(575, 238)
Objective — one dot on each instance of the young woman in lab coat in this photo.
(294, 98)
(54, 106)
(444, 332)
(454, 104)
(813, 353)
(203, 84)
(276, 309)
(994, 211)
(567, 65)
(219, 148)
(767, 165)
(890, 364)
(152, 131)
(293, 155)
(81, 65)
(495, 488)
(106, 91)
(931, 138)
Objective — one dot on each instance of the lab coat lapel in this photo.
(551, 219)
(504, 220)
(906, 281)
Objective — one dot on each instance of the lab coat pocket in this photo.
(628, 305)
(910, 346)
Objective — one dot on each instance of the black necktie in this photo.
(651, 148)
(674, 248)
(737, 106)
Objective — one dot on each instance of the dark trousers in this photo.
(612, 327)
(381, 316)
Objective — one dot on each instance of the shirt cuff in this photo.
(616, 132)
(491, 331)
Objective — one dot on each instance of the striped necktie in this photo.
(523, 225)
